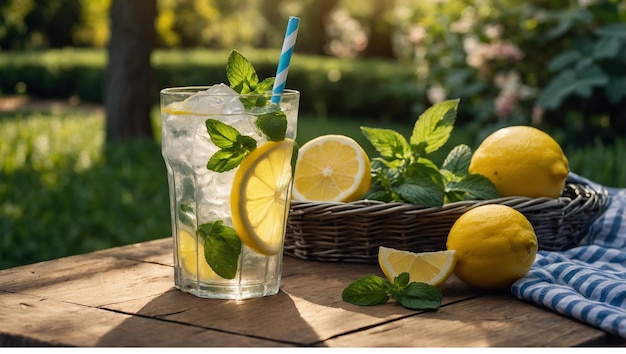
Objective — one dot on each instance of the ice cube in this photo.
(203, 148)
(217, 99)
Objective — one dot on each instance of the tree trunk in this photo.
(314, 39)
(130, 82)
(380, 41)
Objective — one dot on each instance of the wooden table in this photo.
(125, 297)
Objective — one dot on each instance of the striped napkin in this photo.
(588, 282)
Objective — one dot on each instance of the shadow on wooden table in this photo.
(175, 318)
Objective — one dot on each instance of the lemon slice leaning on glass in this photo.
(258, 194)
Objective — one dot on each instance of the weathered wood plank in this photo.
(126, 297)
(91, 280)
(156, 251)
(30, 320)
(487, 321)
(309, 307)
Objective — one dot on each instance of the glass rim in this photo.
(192, 90)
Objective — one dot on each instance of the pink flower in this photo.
(537, 117)
(505, 103)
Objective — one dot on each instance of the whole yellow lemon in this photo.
(495, 246)
(522, 161)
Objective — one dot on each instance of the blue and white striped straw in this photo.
(285, 58)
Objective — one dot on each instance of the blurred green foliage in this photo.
(559, 64)
(62, 192)
(377, 89)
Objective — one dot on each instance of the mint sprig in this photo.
(373, 290)
(243, 78)
(271, 120)
(403, 172)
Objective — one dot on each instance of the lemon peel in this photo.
(522, 161)
(495, 246)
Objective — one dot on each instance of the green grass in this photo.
(605, 164)
(63, 193)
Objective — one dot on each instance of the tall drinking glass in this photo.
(228, 159)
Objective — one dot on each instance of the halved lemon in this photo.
(331, 168)
(428, 267)
(259, 196)
(192, 257)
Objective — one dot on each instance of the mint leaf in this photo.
(373, 290)
(421, 296)
(367, 291)
(379, 192)
(221, 134)
(243, 78)
(226, 159)
(390, 144)
(402, 280)
(250, 103)
(432, 129)
(245, 142)
(222, 248)
(458, 160)
(273, 124)
(471, 187)
(425, 169)
(399, 283)
(460, 185)
(234, 147)
(420, 191)
(265, 85)
(241, 74)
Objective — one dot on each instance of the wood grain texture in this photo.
(486, 321)
(32, 321)
(125, 296)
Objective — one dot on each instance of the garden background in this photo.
(65, 189)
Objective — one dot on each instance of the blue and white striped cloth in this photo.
(588, 282)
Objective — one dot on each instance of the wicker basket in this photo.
(352, 232)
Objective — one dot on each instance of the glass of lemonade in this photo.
(228, 159)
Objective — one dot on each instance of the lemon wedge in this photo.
(192, 257)
(259, 196)
(331, 168)
(432, 268)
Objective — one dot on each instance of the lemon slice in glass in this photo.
(432, 268)
(259, 196)
(331, 168)
(192, 257)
